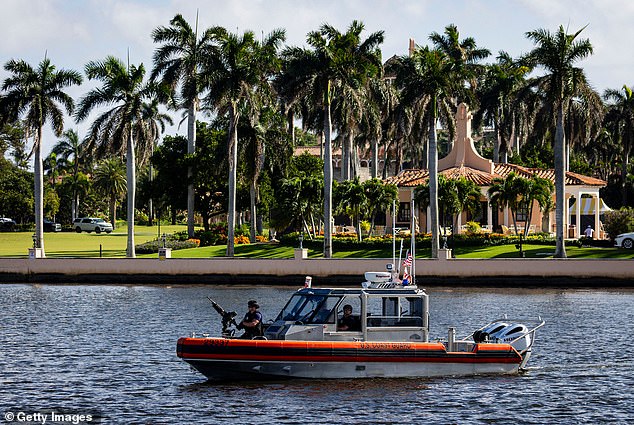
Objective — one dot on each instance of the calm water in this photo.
(110, 350)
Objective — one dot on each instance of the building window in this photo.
(404, 213)
(522, 212)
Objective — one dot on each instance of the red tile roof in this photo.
(413, 178)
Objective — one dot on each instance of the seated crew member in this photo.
(348, 322)
(252, 322)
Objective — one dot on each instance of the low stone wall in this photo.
(460, 272)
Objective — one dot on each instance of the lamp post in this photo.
(34, 237)
(301, 240)
(164, 240)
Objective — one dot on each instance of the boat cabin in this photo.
(400, 313)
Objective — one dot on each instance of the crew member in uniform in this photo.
(252, 322)
(348, 322)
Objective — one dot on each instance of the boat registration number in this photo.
(385, 346)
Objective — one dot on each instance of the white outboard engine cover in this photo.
(487, 333)
(514, 331)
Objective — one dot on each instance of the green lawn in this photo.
(71, 244)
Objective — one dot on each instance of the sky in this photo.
(73, 32)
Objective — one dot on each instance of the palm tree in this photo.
(428, 83)
(379, 197)
(114, 131)
(464, 55)
(150, 128)
(178, 63)
(351, 199)
(69, 149)
(448, 201)
(467, 196)
(238, 82)
(510, 192)
(38, 96)
(336, 62)
(110, 179)
(620, 116)
(557, 53)
(497, 96)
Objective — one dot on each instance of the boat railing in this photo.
(532, 333)
(394, 321)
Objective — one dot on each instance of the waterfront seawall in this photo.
(458, 272)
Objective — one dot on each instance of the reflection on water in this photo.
(111, 349)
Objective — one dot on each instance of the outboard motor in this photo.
(514, 331)
(489, 332)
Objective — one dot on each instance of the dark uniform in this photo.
(250, 317)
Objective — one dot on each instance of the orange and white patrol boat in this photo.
(391, 340)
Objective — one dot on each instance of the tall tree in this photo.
(113, 132)
(37, 96)
(620, 117)
(557, 53)
(238, 82)
(69, 149)
(336, 61)
(110, 180)
(178, 64)
(380, 197)
(428, 83)
(498, 107)
(151, 127)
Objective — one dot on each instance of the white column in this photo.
(597, 212)
(578, 216)
(489, 214)
(428, 221)
(505, 220)
(566, 214)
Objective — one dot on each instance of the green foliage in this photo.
(151, 247)
(16, 192)
(618, 221)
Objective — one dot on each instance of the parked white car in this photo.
(88, 224)
(625, 240)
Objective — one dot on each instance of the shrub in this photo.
(241, 240)
(152, 247)
(261, 238)
(618, 221)
(473, 227)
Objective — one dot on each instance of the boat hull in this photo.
(231, 359)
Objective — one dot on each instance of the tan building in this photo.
(464, 160)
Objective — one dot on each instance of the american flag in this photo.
(408, 260)
(406, 277)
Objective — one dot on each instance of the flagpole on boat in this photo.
(413, 242)
(394, 234)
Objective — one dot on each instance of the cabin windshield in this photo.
(302, 308)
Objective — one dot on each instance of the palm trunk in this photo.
(150, 205)
(39, 193)
(433, 184)
(191, 148)
(131, 174)
(624, 166)
(560, 183)
(327, 177)
(291, 125)
(233, 161)
(375, 158)
(73, 206)
(252, 194)
(113, 210)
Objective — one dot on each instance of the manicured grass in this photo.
(71, 244)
